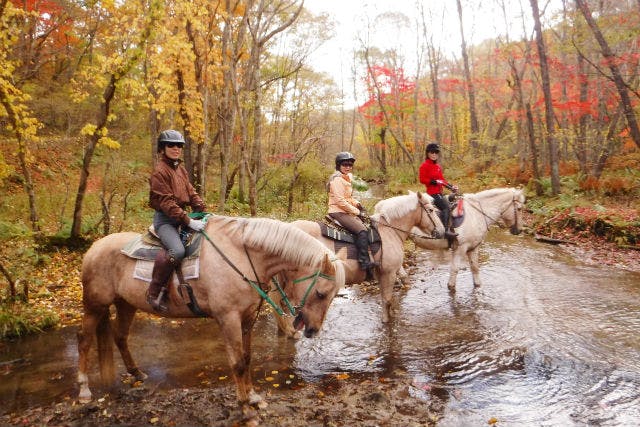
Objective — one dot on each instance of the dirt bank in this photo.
(334, 402)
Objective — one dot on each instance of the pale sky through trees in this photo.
(393, 25)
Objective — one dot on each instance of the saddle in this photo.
(456, 209)
(332, 229)
(144, 249)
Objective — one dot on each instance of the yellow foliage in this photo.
(108, 142)
(88, 129)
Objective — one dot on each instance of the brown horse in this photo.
(481, 210)
(245, 254)
(398, 215)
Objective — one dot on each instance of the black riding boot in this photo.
(445, 217)
(362, 245)
(162, 270)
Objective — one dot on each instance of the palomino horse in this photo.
(242, 257)
(394, 222)
(481, 210)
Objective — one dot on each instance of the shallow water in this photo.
(546, 340)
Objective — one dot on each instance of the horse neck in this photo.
(400, 226)
(494, 206)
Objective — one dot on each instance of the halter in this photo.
(257, 285)
(494, 220)
(396, 229)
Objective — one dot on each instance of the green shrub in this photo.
(19, 319)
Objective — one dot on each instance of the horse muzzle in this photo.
(300, 321)
(515, 230)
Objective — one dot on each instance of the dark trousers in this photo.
(442, 203)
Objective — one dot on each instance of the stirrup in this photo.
(157, 303)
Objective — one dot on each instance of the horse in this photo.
(481, 210)
(242, 248)
(394, 222)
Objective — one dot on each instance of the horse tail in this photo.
(104, 334)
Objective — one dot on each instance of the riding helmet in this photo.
(169, 136)
(343, 157)
(433, 148)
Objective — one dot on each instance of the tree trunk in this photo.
(473, 115)
(621, 86)
(22, 158)
(548, 104)
(101, 122)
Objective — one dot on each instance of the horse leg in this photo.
(403, 276)
(386, 293)
(87, 334)
(231, 328)
(453, 270)
(125, 315)
(254, 398)
(474, 264)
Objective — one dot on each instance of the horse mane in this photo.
(281, 239)
(499, 191)
(399, 206)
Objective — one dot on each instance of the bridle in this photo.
(257, 285)
(423, 210)
(513, 204)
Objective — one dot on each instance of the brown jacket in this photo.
(171, 192)
(340, 191)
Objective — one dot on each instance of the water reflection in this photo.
(545, 341)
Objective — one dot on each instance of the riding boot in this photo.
(448, 232)
(162, 270)
(362, 245)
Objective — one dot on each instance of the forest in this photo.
(85, 87)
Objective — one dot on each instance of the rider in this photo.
(431, 176)
(347, 210)
(170, 193)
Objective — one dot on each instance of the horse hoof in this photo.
(84, 397)
(256, 400)
(139, 375)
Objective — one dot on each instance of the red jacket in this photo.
(431, 171)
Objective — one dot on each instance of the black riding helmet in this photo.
(433, 148)
(343, 157)
(169, 136)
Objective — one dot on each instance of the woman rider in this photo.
(346, 210)
(431, 176)
(170, 194)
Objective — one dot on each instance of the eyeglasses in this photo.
(349, 165)
(174, 144)
(434, 152)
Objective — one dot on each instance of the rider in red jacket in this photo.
(433, 179)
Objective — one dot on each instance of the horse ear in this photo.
(326, 263)
(419, 195)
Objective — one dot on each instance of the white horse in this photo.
(395, 219)
(481, 211)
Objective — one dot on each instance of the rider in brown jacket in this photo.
(170, 194)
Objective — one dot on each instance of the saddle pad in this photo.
(457, 214)
(342, 239)
(146, 247)
(190, 270)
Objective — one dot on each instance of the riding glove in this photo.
(196, 224)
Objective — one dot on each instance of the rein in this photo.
(423, 236)
(495, 220)
(256, 284)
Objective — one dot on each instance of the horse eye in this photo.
(320, 295)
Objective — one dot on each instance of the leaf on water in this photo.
(200, 374)
(274, 372)
(222, 378)
(154, 420)
(343, 376)
(269, 379)
(492, 420)
(276, 385)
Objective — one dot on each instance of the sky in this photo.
(483, 19)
